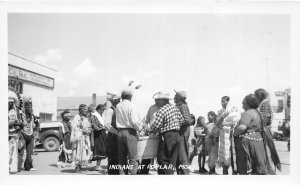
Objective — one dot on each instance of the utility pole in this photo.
(267, 74)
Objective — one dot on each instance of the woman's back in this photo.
(252, 120)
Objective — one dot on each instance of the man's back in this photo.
(126, 115)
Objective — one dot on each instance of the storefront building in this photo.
(33, 80)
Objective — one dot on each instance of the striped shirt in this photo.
(167, 118)
(184, 110)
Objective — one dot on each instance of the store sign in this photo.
(30, 76)
(15, 85)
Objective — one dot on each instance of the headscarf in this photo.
(82, 106)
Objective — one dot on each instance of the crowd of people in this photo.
(242, 141)
(233, 140)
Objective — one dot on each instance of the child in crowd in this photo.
(212, 141)
(200, 147)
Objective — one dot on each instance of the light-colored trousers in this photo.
(13, 154)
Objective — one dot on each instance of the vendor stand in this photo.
(147, 147)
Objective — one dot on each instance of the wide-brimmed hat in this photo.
(181, 94)
(161, 95)
(112, 96)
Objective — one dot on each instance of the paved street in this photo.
(45, 162)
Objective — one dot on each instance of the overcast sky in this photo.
(207, 55)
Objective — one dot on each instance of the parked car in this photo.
(278, 135)
(49, 135)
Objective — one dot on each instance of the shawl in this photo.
(78, 124)
(225, 152)
(99, 118)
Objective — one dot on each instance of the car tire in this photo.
(51, 144)
(278, 137)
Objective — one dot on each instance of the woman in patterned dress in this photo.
(265, 110)
(80, 138)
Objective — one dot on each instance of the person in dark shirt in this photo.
(184, 133)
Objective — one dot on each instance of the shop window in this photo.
(45, 117)
(279, 108)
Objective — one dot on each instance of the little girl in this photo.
(200, 133)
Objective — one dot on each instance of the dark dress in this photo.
(98, 138)
(249, 146)
(65, 139)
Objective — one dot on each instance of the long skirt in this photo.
(65, 151)
(13, 154)
(82, 151)
(240, 156)
(256, 161)
(224, 153)
(100, 145)
(212, 147)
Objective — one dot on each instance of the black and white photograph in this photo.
(111, 92)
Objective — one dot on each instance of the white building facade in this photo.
(36, 81)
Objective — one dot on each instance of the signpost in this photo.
(15, 85)
(30, 76)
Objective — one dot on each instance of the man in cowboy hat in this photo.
(149, 120)
(167, 123)
(184, 133)
(127, 124)
(109, 116)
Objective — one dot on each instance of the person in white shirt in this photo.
(127, 124)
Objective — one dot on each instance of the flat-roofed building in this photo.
(34, 80)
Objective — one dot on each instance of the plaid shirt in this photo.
(167, 118)
(184, 110)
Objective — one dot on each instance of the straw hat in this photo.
(181, 94)
(161, 95)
